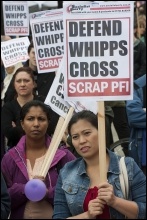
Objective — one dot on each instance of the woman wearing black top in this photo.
(24, 84)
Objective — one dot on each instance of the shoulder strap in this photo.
(123, 176)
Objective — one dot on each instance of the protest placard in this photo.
(47, 32)
(16, 18)
(98, 51)
(14, 51)
(98, 41)
(55, 97)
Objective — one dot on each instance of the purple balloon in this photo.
(35, 190)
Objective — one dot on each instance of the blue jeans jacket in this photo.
(73, 184)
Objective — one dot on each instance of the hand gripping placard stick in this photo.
(58, 134)
(102, 142)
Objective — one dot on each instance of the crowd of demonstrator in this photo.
(73, 187)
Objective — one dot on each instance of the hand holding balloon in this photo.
(35, 190)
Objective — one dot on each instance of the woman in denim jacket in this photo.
(79, 193)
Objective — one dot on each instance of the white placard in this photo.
(16, 18)
(98, 49)
(14, 51)
(47, 32)
(55, 97)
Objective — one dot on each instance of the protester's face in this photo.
(23, 84)
(35, 123)
(141, 30)
(10, 69)
(85, 138)
(32, 57)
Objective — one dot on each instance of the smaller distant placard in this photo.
(16, 18)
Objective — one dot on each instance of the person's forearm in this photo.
(127, 208)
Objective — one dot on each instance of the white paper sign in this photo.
(47, 32)
(98, 49)
(16, 18)
(55, 98)
(14, 51)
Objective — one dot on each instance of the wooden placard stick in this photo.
(102, 142)
(55, 135)
(57, 138)
(138, 24)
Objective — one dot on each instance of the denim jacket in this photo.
(73, 184)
